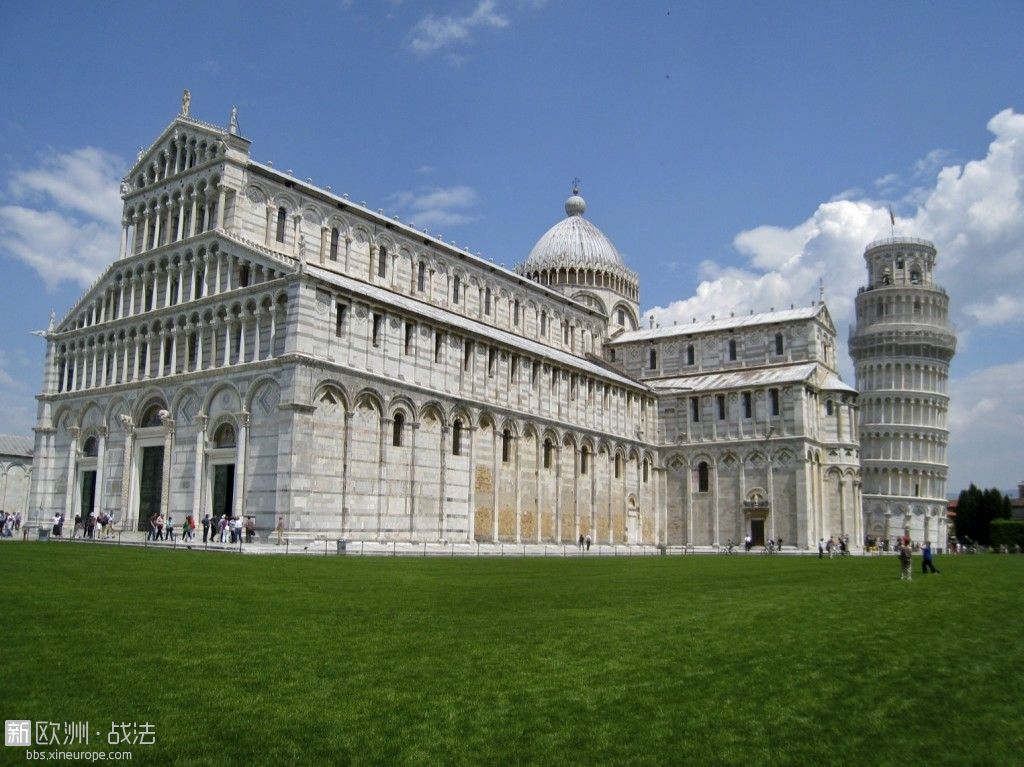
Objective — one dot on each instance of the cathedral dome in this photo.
(573, 242)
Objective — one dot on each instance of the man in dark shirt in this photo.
(926, 559)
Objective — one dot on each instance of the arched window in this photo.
(778, 343)
(647, 470)
(224, 436)
(456, 286)
(91, 448)
(584, 460)
(506, 446)
(421, 277)
(732, 349)
(457, 437)
(548, 447)
(151, 417)
(281, 213)
(487, 301)
(828, 407)
(622, 317)
(653, 359)
(397, 427)
(915, 277)
(334, 244)
(618, 466)
(702, 477)
(544, 324)
(689, 354)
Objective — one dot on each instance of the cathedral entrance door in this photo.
(151, 481)
(223, 489)
(757, 531)
(88, 496)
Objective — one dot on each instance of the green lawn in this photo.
(730, 660)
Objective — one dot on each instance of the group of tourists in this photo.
(834, 546)
(584, 542)
(95, 524)
(9, 523)
(228, 529)
(906, 559)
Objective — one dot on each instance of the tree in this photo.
(975, 511)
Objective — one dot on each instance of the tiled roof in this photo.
(736, 379)
(12, 444)
(722, 323)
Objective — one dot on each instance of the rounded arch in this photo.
(402, 404)
(432, 409)
(211, 404)
(370, 398)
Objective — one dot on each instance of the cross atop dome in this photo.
(575, 205)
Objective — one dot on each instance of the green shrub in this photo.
(1008, 532)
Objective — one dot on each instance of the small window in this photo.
(224, 436)
(748, 405)
(378, 320)
(622, 317)
(611, 355)
(647, 470)
(513, 368)
(421, 277)
(506, 446)
(828, 407)
(243, 279)
(618, 466)
(653, 359)
(774, 395)
(438, 346)
(397, 428)
(899, 262)
(456, 288)
(702, 477)
(695, 409)
(915, 277)
(91, 448)
(778, 343)
(487, 301)
(732, 349)
(457, 437)
(334, 244)
(515, 312)
(339, 319)
(584, 460)
(544, 324)
(467, 355)
(548, 447)
(492, 361)
(280, 223)
(382, 261)
(535, 374)
(689, 354)
(720, 400)
(410, 330)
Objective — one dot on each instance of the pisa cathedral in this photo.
(261, 346)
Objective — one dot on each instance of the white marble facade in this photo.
(262, 346)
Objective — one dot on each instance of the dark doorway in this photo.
(223, 489)
(757, 531)
(151, 482)
(88, 492)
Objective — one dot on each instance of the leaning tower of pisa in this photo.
(901, 348)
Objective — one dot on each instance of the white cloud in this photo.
(986, 419)
(437, 206)
(66, 216)
(974, 214)
(433, 33)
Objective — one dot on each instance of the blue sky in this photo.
(734, 152)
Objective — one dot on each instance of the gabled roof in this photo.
(469, 325)
(818, 311)
(804, 372)
(15, 444)
(186, 121)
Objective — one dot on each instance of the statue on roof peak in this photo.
(186, 102)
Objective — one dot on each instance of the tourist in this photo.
(779, 545)
(93, 523)
(17, 520)
(170, 528)
(78, 526)
(151, 535)
(926, 562)
(56, 524)
(250, 529)
(206, 526)
(747, 543)
(280, 530)
(580, 542)
(159, 522)
(236, 530)
(223, 528)
(821, 548)
(905, 560)
(588, 542)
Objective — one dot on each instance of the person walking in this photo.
(280, 530)
(588, 543)
(905, 560)
(206, 526)
(926, 559)
(821, 548)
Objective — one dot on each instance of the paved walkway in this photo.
(319, 546)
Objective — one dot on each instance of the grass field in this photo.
(274, 660)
